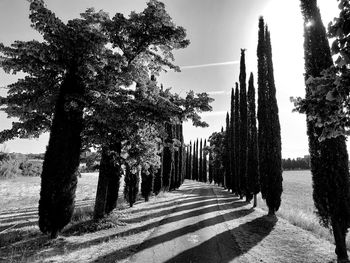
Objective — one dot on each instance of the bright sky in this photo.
(217, 30)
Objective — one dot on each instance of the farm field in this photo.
(23, 192)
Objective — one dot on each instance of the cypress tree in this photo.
(237, 142)
(175, 160)
(131, 186)
(181, 157)
(271, 159)
(262, 112)
(211, 168)
(157, 185)
(243, 126)
(108, 181)
(167, 158)
(197, 160)
(201, 161)
(253, 187)
(194, 175)
(227, 153)
(232, 144)
(187, 163)
(147, 180)
(329, 158)
(190, 162)
(205, 171)
(56, 204)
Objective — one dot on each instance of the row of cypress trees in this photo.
(196, 161)
(251, 158)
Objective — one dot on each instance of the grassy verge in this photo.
(297, 204)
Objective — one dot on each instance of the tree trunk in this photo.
(339, 232)
(62, 157)
(114, 178)
(108, 182)
(255, 204)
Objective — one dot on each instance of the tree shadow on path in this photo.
(224, 247)
(153, 241)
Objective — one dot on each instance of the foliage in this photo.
(147, 180)
(253, 186)
(269, 137)
(227, 153)
(296, 164)
(327, 103)
(216, 141)
(9, 168)
(232, 144)
(131, 186)
(236, 139)
(243, 126)
(31, 168)
(329, 157)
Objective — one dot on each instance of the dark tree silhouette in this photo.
(329, 158)
(131, 186)
(269, 137)
(201, 161)
(253, 185)
(211, 167)
(227, 153)
(243, 125)
(108, 181)
(233, 144)
(205, 163)
(237, 142)
(147, 179)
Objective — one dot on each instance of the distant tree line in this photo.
(296, 164)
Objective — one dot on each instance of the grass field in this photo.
(297, 204)
(23, 192)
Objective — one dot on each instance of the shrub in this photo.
(31, 168)
(9, 168)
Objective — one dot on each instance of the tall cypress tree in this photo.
(167, 158)
(181, 156)
(197, 159)
(201, 161)
(190, 162)
(253, 186)
(194, 167)
(108, 180)
(158, 181)
(147, 180)
(269, 136)
(243, 127)
(131, 185)
(227, 153)
(232, 144)
(237, 142)
(211, 167)
(329, 158)
(205, 171)
(175, 158)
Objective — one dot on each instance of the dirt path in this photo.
(221, 228)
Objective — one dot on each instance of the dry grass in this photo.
(23, 192)
(297, 204)
(83, 239)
